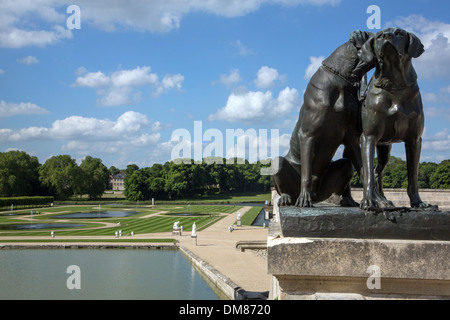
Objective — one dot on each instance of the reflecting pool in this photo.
(38, 226)
(96, 214)
(121, 274)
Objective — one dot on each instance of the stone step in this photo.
(400, 197)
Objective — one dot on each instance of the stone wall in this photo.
(400, 198)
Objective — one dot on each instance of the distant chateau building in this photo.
(117, 182)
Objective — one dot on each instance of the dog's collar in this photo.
(351, 83)
(387, 86)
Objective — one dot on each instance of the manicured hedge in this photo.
(21, 202)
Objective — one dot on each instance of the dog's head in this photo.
(392, 41)
(393, 46)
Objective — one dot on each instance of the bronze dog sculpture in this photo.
(330, 117)
(392, 113)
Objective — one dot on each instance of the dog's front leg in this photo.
(306, 150)
(413, 148)
(368, 176)
(384, 153)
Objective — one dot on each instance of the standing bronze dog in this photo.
(391, 113)
(330, 117)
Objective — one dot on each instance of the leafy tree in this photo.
(61, 175)
(131, 168)
(395, 174)
(19, 174)
(426, 169)
(95, 177)
(113, 170)
(130, 184)
(175, 182)
(156, 188)
(440, 179)
(136, 186)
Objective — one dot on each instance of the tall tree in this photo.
(61, 175)
(95, 177)
(19, 174)
(131, 168)
(136, 188)
(113, 170)
(440, 179)
(426, 169)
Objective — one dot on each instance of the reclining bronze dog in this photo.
(392, 113)
(330, 117)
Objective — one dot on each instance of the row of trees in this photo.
(431, 175)
(187, 179)
(61, 177)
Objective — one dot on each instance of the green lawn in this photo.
(207, 215)
(250, 216)
(93, 240)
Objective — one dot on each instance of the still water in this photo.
(103, 274)
(96, 215)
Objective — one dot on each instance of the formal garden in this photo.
(116, 222)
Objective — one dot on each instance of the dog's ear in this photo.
(358, 38)
(367, 52)
(416, 48)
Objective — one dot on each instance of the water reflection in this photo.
(96, 215)
(38, 226)
(105, 274)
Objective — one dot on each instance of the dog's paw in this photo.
(285, 200)
(304, 201)
(348, 202)
(420, 205)
(368, 204)
(376, 201)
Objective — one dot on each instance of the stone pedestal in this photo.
(340, 253)
(176, 231)
(194, 240)
(238, 223)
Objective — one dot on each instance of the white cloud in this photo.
(242, 50)
(92, 80)
(133, 78)
(266, 77)
(19, 21)
(231, 79)
(166, 15)
(315, 63)
(28, 60)
(119, 88)
(439, 142)
(438, 113)
(22, 21)
(12, 109)
(84, 135)
(287, 101)
(116, 96)
(170, 82)
(254, 106)
(17, 38)
(435, 36)
(80, 71)
(436, 98)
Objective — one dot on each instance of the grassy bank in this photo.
(147, 220)
(55, 240)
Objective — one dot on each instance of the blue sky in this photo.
(137, 71)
